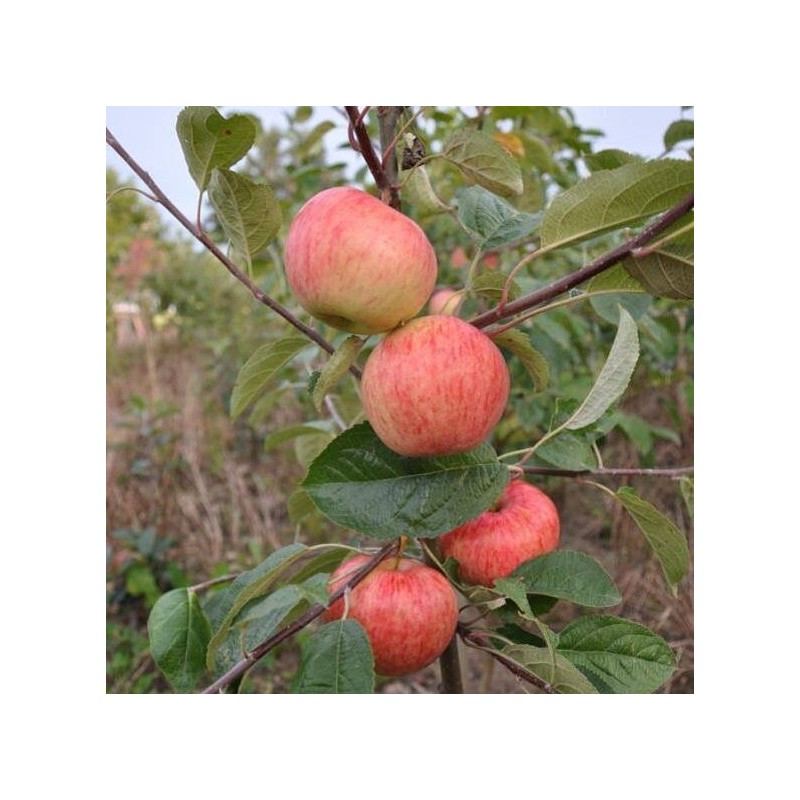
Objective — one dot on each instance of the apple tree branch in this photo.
(211, 246)
(316, 610)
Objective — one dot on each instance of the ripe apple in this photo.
(357, 264)
(444, 301)
(435, 386)
(458, 259)
(491, 260)
(408, 610)
(523, 524)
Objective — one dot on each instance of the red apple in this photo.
(491, 260)
(408, 610)
(357, 264)
(523, 524)
(444, 301)
(458, 258)
(435, 386)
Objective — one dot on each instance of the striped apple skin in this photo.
(523, 524)
(408, 610)
(435, 386)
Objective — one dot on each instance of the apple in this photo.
(491, 260)
(523, 524)
(356, 263)
(444, 301)
(458, 259)
(435, 386)
(408, 610)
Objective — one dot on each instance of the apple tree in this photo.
(430, 435)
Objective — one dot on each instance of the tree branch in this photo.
(547, 293)
(388, 117)
(449, 660)
(358, 131)
(316, 610)
(476, 640)
(211, 246)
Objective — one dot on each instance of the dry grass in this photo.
(204, 483)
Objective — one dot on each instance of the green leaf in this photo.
(417, 189)
(562, 675)
(615, 198)
(335, 368)
(337, 659)
(210, 141)
(682, 130)
(667, 271)
(299, 506)
(255, 624)
(618, 656)
(491, 285)
(491, 221)
(687, 492)
(665, 274)
(293, 431)
(324, 561)
(362, 485)
(609, 159)
(307, 448)
(535, 363)
(514, 589)
(248, 212)
(247, 586)
(627, 292)
(667, 540)
(641, 432)
(538, 153)
(313, 141)
(568, 451)
(569, 575)
(260, 368)
(614, 378)
(179, 633)
(141, 582)
(616, 279)
(484, 161)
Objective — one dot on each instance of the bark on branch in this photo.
(612, 257)
(257, 653)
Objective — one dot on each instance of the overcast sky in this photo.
(148, 134)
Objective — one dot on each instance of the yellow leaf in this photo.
(511, 142)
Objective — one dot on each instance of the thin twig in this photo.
(477, 641)
(612, 257)
(359, 132)
(663, 472)
(199, 587)
(316, 610)
(211, 246)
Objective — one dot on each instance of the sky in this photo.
(148, 134)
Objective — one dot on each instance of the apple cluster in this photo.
(435, 385)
